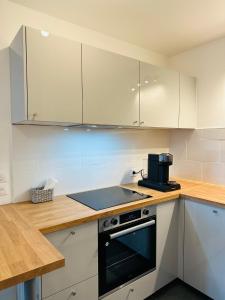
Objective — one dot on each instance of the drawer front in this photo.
(79, 245)
(86, 290)
(137, 290)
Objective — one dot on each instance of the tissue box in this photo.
(39, 195)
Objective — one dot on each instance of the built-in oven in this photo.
(127, 248)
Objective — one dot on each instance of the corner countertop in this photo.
(25, 252)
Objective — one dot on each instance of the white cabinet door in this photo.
(167, 243)
(53, 78)
(110, 88)
(79, 245)
(188, 104)
(204, 248)
(159, 96)
(86, 290)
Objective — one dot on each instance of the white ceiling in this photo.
(165, 26)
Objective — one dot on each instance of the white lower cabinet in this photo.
(166, 263)
(86, 290)
(167, 243)
(79, 245)
(204, 248)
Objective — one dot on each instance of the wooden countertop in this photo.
(210, 193)
(64, 212)
(25, 253)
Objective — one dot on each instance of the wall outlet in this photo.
(133, 174)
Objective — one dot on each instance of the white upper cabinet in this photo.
(188, 104)
(159, 96)
(110, 88)
(46, 69)
(58, 81)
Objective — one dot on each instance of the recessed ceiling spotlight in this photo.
(146, 81)
(44, 33)
(138, 84)
(154, 80)
(133, 89)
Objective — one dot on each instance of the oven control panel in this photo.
(126, 218)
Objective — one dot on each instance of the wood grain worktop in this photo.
(24, 251)
(64, 212)
(210, 193)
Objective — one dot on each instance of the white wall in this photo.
(207, 63)
(79, 159)
(12, 16)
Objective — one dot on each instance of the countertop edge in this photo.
(105, 213)
(28, 275)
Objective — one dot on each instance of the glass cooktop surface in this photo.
(107, 197)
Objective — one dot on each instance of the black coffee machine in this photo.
(158, 173)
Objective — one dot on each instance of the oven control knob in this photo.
(146, 212)
(114, 221)
(106, 223)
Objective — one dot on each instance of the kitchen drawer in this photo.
(79, 245)
(137, 290)
(86, 290)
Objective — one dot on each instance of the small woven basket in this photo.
(39, 195)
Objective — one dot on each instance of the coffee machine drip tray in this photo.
(163, 187)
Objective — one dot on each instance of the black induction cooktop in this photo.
(107, 197)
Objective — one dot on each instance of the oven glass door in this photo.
(126, 253)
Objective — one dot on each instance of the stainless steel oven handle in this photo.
(131, 229)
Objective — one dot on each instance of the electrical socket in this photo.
(133, 173)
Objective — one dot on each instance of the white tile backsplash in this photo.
(205, 154)
(83, 160)
(187, 169)
(214, 172)
(201, 149)
(80, 159)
